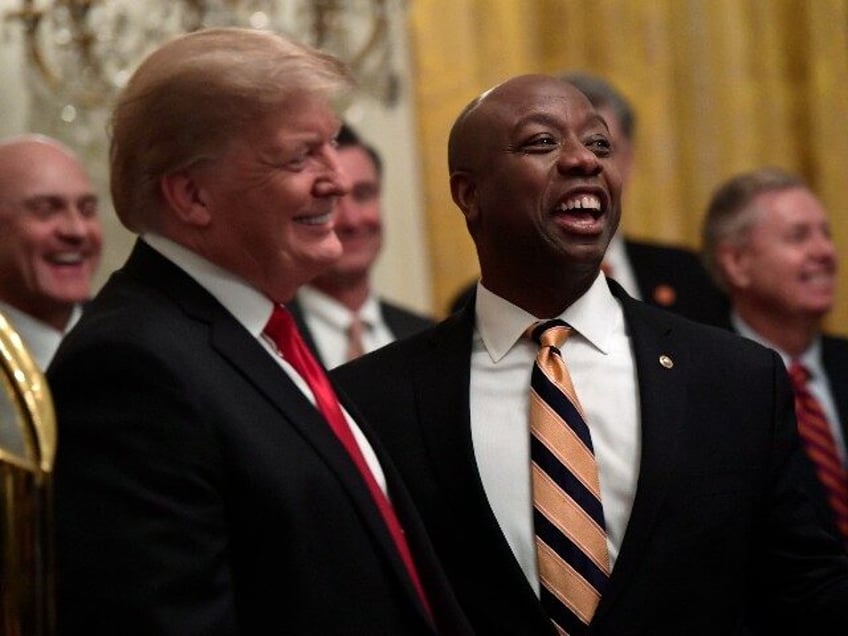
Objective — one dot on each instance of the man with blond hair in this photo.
(210, 480)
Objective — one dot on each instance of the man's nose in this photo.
(72, 222)
(575, 156)
(336, 181)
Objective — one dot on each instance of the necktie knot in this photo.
(799, 374)
(281, 329)
(549, 333)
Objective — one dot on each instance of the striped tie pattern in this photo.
(818, 441)
(571, 541)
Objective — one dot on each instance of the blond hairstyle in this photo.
(193, 95)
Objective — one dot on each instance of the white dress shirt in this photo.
(251, 309)
(818, 382)
(600, 361)
(328, 321)
(620, 267)
(40, 339)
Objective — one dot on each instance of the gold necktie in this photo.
(571, 543)
(355, 331)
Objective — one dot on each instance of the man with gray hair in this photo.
(767, 243)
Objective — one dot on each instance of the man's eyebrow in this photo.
(552, 120)
(55, 198)
(40, 198)
(537, 118)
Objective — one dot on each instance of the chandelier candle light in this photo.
(82, 52)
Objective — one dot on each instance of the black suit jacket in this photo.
(673, 278)
(718, 522)
(834, 357)
(668, 277)
(199, 492)
(401, 322)
(835, 360)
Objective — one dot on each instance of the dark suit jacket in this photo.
(199, 492)
(835, 360)
(834, 355)
(668, 277)
(401, 322)
(717, 520)
(673, 278)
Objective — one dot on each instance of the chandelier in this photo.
(82, 52)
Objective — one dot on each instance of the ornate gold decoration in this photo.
(83, 51)
(27, 451)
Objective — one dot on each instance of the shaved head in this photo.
(531, 169)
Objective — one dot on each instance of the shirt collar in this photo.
(331, 311)
(40, 339)
(249, 306)
(501, 324)
(810, 358)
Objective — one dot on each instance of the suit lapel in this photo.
(442, 377)
(241, 350)
(661, 361)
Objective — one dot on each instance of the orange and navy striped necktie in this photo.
(571, 540)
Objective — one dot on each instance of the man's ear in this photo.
(464, 193)
(733, 261)
(185, 196)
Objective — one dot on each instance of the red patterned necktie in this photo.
(283, 332)
(571, 540)
(818, 441)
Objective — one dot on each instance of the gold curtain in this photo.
(719, 86)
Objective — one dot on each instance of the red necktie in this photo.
(283, 331)
(820, 446)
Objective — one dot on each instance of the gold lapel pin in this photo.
(666, 361)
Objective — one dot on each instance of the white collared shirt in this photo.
(328, 321)
(622, 270)
(40, 339)
(818, 382)
(600, 361)
(251, 309)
